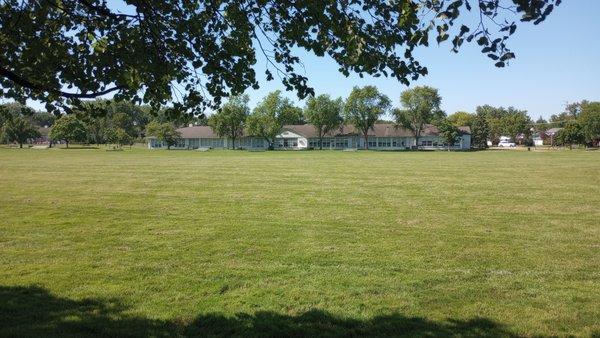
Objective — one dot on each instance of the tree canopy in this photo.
(324, 113)
(164, 132)
(420, 105)
(230, 120)
(449, 132)
(570, 134)
(515, 123)
(69, 129)
(461, 118)
(18, 123)
(480, 131)
(505, 122)
(589, 119)
(20, 129)
(270, 115)
(191, 54)
(364, 107)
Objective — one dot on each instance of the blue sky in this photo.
(558, 61)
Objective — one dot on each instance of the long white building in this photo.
(381, 137)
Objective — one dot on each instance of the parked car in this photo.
(506, 144)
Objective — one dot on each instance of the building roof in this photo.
(309, 131)
(379, 130)
(553, 131)
(197, 132)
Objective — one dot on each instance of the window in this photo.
(341, 143)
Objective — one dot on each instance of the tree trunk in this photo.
(67, 142)
(417, 137)
(320, 142)
(233, 143)
(366, 138)
(20, 145)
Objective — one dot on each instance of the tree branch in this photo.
(23, 82)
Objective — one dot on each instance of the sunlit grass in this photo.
(503, 242)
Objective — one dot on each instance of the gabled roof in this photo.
(553, 131)
(197, 132)
(309, 131)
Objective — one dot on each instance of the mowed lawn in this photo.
(220, 243)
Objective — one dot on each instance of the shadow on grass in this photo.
(33, 311)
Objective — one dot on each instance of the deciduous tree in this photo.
(121, 137)
(589, 119)
(419, 106)
(364, 107)
(480, 132)
(570, 134)
(324, 113)
(20, 129)
(230, 120)
(43, 119)
(193, 53)
(516, 122)
(461, 118)
(164, 132)
(68, 128)
(449, 132)
(270, 115)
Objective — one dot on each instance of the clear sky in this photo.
(557, 61)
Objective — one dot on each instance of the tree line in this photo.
(419, 107)
(96, 122)
(122, 123)
(579, 124)
(364, 107)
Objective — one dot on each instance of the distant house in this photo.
(538, 139)
(381, 137)
(552, 131)
(551, 134)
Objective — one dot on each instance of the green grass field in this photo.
(164, 243)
